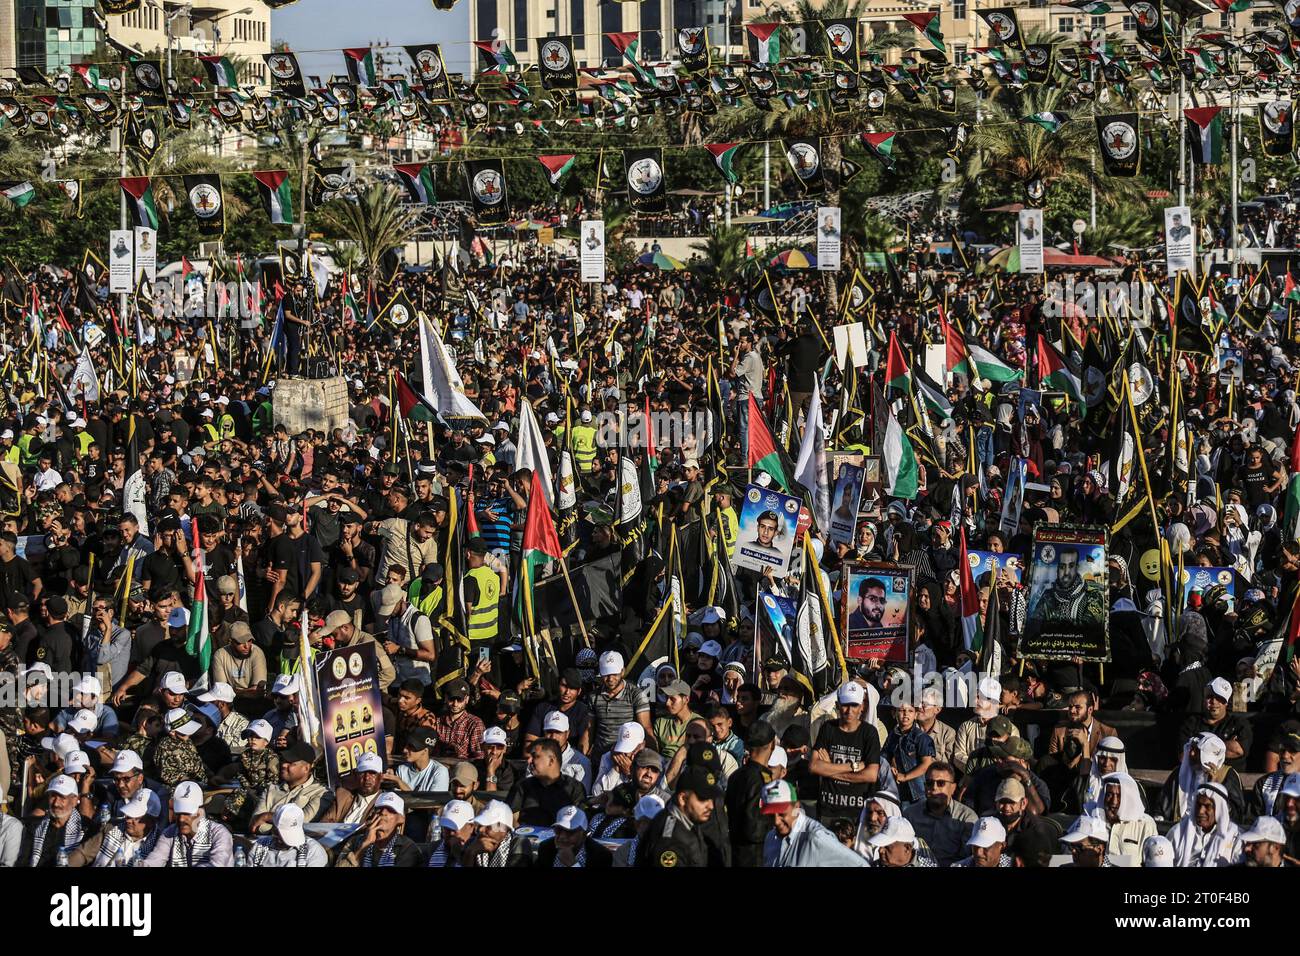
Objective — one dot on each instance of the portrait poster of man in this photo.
(776, 622)
(844, 504)
(1068, 610)
(875, 615)
(1232, 368)
(767, 532)
(999, 566)
(1200, 580)
(1009, 523)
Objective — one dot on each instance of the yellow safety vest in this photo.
(25, 449)
(727, 518)
(84, 441)
(584, 447)
(483, 615)
(227, 426)
(211, 432)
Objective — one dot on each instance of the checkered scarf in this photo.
(116, 842)
(71, 836)
(260, 851)
(387, 858)
(200, 845)
(497, 858)
(579, 858)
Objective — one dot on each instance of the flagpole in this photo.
(1182, 120)
(1234, 103)
(568, 583)
(119, 143)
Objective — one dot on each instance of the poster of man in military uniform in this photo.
(1068, 612)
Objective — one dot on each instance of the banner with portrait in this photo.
(1180, 240)
(998, 566)
(1009, 523)
(1201, 580)
(875, 612)
(1029, 240)
(1069, 606)
(844, 504)
(767, 531)
(828, 239)
(351, 709)
(591, 250)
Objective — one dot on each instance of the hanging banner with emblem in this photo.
(1121, 149)
(646, 186)
(1277, 127)
(555, 61)
(487, 190)
(693, 49)
(805, 158)
(207, 202)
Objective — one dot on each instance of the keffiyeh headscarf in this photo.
(1130, 797)
(890, 806)
(1195, 847)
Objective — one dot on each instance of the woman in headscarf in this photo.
(1206, 835)
(867, 547)
(941, 630)
(1126, 815)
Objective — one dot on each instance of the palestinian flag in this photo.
(898, 377)
(139, 200)
(1205, 133)
(1290, 290)
(766, 43)
(541, 544)
(557, 167)
(1094, 7)
(629, 44)
(930, 392)
(413, 406)
(1232, 6)
(928, 24)
(763, 453)
(956, 355)
(724, 157)
(89, 73)
(881, 146)
(360, 62)
(221, 72)
(186, 267)
(418, 180)
(277, 195)
(900, 462)
(20, 194)
(497, 55)
(350, 311)
(972, 633)
(1053, 374)
(1048, 120)
(198, 642)
(989, 366)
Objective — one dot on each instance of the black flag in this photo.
(805, 158)
(285, 73)
(693, 49)
(1189, 333)
(1120, 145)
(487, 190)
(555, 61)
(1277, 127)
(207, 202)
(644, 174)
(1004, 29)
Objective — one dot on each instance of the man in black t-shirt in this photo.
(16, 575)
(846, 756)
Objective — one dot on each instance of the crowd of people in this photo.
(508, 747)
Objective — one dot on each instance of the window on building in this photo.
(611, 21)
(652, 37)
(1129, 24)
(486, 15)
(1065, 25)
(959, 55)
(1099, 23)
(578, 23)
(521, 24)
(959, 9)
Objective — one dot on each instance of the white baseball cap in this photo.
(611, 662)
(179, 617)
(779, 757)
(712, 649)
(370, 763)
(988, 831)
(187, 797)
(145, 803)
(570, 818)
(178, 719)
(630, 736)
(712, 615)
(649, 807)
(496, 813)
(174, 682)
(285, 684)
(1087, 827)
(76, 762)
(126, 761)
(63, 785)
(288, 822)
(61, 744)
(495, 735)
(391, 801)
(89, 684)
(895, 830)
(260, 728)
(219, 691)
(1157, 851)
(555, 720)
(83, 721)
(1220, 688)
(1265, 830)
(850, 693)
(456, 814)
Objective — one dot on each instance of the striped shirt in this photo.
(612, 712)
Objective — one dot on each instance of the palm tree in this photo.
(375, 224)
(19, 162)
(724, 250)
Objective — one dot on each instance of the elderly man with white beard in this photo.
(1206, 835)
(1122, 809)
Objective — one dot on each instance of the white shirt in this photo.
(575, 765)
(47, 480)
(608, 776)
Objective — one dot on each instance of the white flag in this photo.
(85, 383)
(810, 470)
(531, 449)
(443, 388)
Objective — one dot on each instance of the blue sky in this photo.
(331, 25)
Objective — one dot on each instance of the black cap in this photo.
(56, 606)
(349, 575)
(421, 738)
(392, 470)
(704, 755)
(170, 523)
(438, 503)
(508, 703)
(624, 795)
(760, 735)
(301, 750)
(476, 545)
(775, 663)
(349, 517)
(277, 513)
(458, 687)
(699, 781)
(433, 572)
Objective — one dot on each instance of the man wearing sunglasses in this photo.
(939, 819)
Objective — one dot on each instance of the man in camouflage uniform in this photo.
(258, 769)
(11, 718)
(176, 757)
(144, 741)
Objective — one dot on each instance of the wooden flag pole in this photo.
(568, 583)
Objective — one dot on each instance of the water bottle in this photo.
(62, 858)
(241, 857)
(105, 814)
